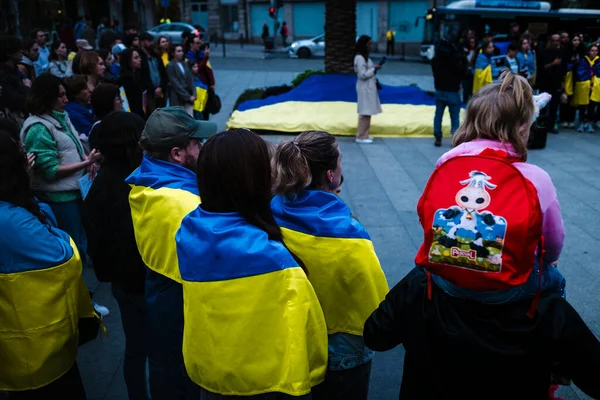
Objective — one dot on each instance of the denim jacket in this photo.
(347, 351)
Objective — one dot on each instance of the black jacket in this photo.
(450, 67)
(550, 79)
(460, 349)
(109, 228)
(145, 73)
(134, 87)
(14, 92)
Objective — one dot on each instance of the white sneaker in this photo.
(565, 125)
(590, 128)
(103, 311)
(581, 127)
(364, 141)
(598, 124)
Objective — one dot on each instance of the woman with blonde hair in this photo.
(338, 253)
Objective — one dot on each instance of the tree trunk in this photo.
(340, 36)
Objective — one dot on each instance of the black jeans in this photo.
(553, 106)
(390, 48)
(69, 386)
(567, 113)
(588, 113)
(349, 384)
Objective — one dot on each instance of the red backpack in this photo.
(482, 222)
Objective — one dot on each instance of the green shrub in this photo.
(249, 94)
(301, 77)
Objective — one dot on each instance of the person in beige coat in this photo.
(366, 89)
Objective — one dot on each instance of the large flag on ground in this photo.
(339, 255)
(253, 323)
(329, 103)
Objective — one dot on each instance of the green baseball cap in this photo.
(171, 126)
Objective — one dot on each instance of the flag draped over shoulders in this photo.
(483, 72)
(337, 251)
(253, 323)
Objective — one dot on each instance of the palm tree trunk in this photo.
(340, 36)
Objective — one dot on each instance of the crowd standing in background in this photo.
(237, 268)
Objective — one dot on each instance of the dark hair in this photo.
(513, 24)
(11, 128)
(74, 85)
(158, 49)
(76, 65)
(125, 58)
(44, 94)
(88, 63)
(361, 46)
(103, 98)
(484, 45)
(9, 45)
(14, 178)
(302, 163)
(234, 175)
(103, 53)
(34, 32)
(117, 137)
(172, 49)
(129, 39)
(28, 44)
(146, 36)
(53, 56)
(130, 25)
(513, 46)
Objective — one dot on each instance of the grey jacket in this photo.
(182, 85)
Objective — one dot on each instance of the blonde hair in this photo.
(303, 163)
(500, 111)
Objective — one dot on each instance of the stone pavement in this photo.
(383, 182)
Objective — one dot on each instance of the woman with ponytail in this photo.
(337, 251)
(253, 324)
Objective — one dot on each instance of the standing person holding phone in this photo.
(366, 89)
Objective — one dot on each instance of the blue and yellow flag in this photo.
(201, 95)
(253, 323)
(483, 72)
(339, 255)
(42, 297)
(330, 102)
(162, 194)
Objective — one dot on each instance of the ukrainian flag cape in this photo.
(42, 297)
(483, 72)
(587, 84)
(339, 255)
(201, 95)
(162, 194)
(253, 323)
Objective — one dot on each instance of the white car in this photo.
(308, 47)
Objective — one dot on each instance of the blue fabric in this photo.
(205, 237)
(552, 281)
(82, 117)
(453, 102)
(528, 64)
(347, 351)
(79, 29)
(115, 69)
(156, 174)
(42, 64)
(336, 87)
(317, 213)
(194, 56)
(68, 216)
(26, 244)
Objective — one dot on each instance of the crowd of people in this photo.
(564, 66)
(136, 63)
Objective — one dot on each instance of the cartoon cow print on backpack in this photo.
(466, 236)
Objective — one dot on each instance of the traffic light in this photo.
(272, 12)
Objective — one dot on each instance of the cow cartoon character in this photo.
(471, 200)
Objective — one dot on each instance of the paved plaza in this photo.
(383, 182)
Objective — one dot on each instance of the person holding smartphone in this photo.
(366, 89)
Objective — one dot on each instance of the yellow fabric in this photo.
(39, 313)
(165, 58)
(340, 118)
(201, 99)
(346, 275)
(481, 78)
(581, 93)
(157, 216)
(569, 83)
(390, 35)
(229, 332)
(595, 96)
(71, 56)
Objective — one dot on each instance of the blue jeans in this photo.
(68, 216)
(133, 317)
(552, 282)
(443, 100)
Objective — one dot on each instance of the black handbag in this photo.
(213, 104)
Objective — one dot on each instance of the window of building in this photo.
(230, 17)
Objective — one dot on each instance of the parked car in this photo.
(308, 47)
(173, 31)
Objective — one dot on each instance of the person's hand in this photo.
(158, 92)
(27, 82)
(377, 67)
(91, 158)
(556, 61)
(192, 99)
(31, 161)
(92, 170)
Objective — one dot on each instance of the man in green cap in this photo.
(164, 191)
